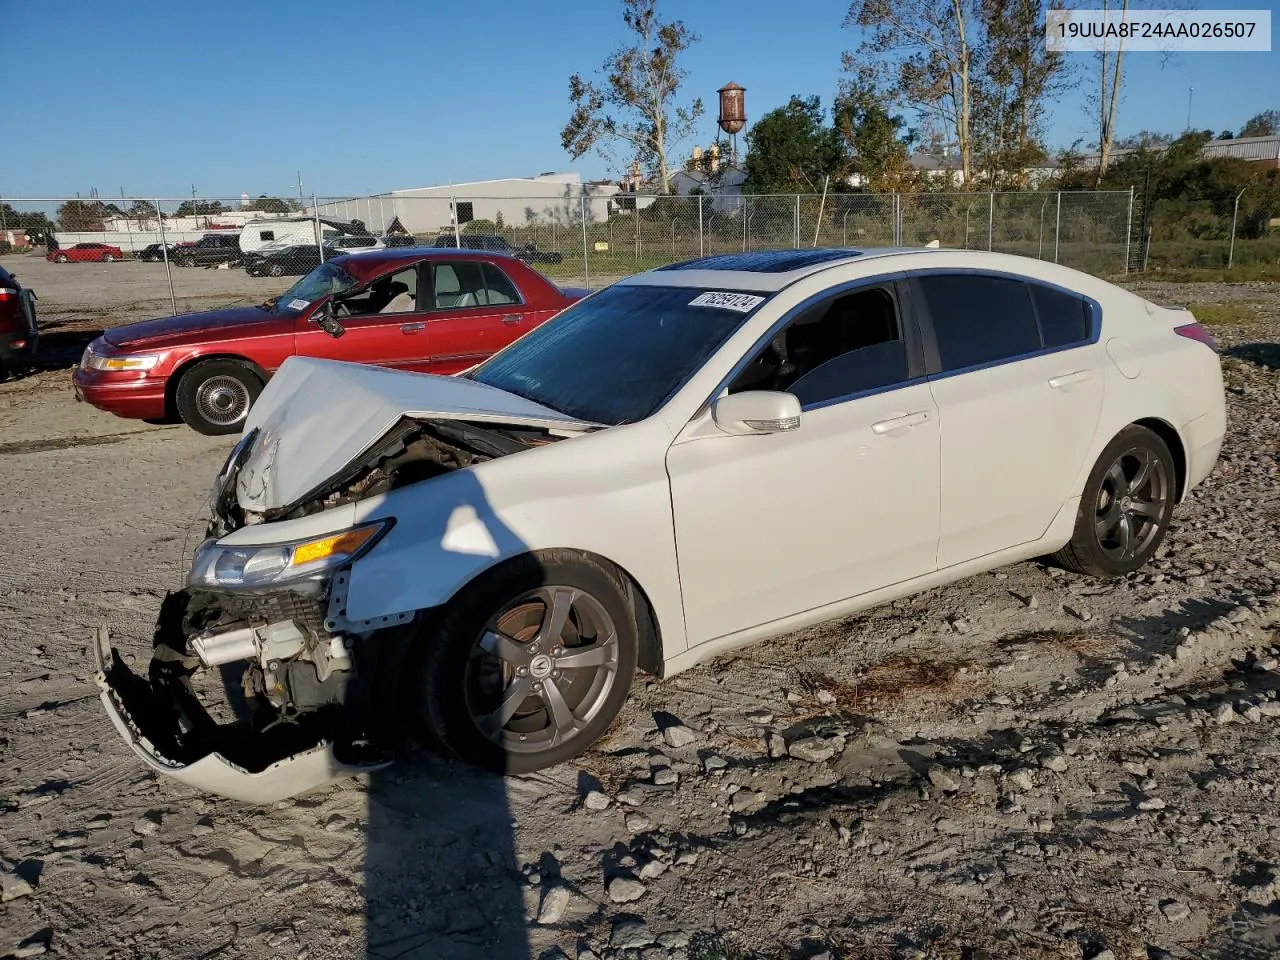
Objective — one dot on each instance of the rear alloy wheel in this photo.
(1125, 510)
(107, 258)
(60, 258)
(529, 666)
(276, 270)
(214, 397)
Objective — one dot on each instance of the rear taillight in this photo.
(1197, 332)
(8, 293)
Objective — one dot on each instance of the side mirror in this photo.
(326, 321)
(756, 411)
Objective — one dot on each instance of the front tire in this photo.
(107, 258)
(276, 270)
(60, 258)
(1125, 509)
(214, 397)
(529, 665)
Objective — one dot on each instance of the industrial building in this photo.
(515, 201)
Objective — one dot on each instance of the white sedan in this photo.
(695, 458)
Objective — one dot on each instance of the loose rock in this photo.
(626, 890)
(678, 736)
(812, 749)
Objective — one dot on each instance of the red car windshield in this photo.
(324, 280)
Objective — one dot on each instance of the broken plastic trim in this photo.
(149, 723)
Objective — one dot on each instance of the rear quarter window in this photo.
(1064, 317)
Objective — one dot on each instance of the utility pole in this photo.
(1190, 92)
(300, 198)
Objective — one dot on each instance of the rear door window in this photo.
(979, 319)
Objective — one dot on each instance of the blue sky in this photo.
(155, 96)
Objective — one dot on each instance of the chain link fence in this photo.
(185, 254)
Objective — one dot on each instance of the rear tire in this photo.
(1125, 509)
(214, 397)
(107, 258)
(275, 270)
(574, 670)
(60, 258)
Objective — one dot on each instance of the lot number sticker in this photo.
(299, 304)
(741, 302)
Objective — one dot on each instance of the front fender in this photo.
(453, 528)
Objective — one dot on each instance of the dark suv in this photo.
(211, 249)
(18, 329)
(496, 244)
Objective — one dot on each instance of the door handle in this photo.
(900, 423)
(1068, 379)
(511, 319)
(408, 328)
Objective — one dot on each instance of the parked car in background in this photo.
(348, 243)
(155, 252)
(428, 310)
(400, 240)
(505, 548)
(496, 244)
(85, 253)
(285, 261)
(18, 328)
(210, 250)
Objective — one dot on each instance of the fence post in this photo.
(795, 240)
(673, 238)
(315, 209)
(1231, 250)
(164, 250)
(1057, 227)
(991, 218)
(701, 251)
(635, 216)
(897, 218)
(1128, 230)
(586, 266)
(844, 229)
(746, 208)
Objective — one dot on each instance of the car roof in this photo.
(768, 271)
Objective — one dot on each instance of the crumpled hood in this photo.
(316, 416)
(184, 326)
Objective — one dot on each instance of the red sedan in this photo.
(434, 311)
(85, 253)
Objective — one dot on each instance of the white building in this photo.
(723, 191)
(518, 201)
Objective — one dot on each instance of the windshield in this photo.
(320, 282)
(618, 355)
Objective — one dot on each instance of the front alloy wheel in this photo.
(529, 665)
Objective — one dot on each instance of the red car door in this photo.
(385, 325)
(477, 311)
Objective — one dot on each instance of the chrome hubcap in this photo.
(222, 400)
(1131, 504)
(542, 669)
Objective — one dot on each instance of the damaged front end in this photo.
(259, 686)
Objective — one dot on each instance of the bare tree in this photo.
(921, 53)
(1019, 75)
(636, 101)
(1110, 79)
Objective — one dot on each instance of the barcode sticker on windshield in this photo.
(741, 302)
(299, 304)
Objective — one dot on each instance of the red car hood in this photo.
(194, 327)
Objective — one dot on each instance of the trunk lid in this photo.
(316, 416)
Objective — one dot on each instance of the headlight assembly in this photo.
(122, 361)
(218, 567)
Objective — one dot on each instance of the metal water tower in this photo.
(733, 113)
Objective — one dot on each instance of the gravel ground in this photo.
(1024, 764)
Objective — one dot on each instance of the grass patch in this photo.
(1240, 273)
(1089, 644)
(890, 681)
(1224, 314)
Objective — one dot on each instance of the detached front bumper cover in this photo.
(147, 720)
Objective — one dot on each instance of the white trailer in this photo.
(280, 232)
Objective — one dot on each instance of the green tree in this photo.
(79, 216)
(1265, 124)
(791, 149)
(636, 104)
(877, 148)
(199, 208)
(36, 225)
(265, 204)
